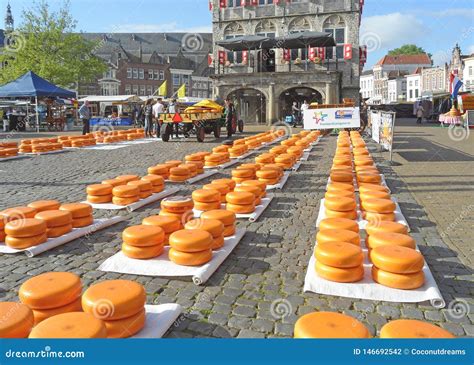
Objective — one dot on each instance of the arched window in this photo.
(335, 26)
(231, 31)
(265, 28)
(296, 26)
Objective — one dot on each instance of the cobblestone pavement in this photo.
(257, 292)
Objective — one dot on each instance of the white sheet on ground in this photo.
(159, 319)
(282, 182)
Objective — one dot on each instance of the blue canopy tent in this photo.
(31, 85)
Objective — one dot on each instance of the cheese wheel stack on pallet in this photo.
(242, 202)
(58, 222)
(180, 207)
(143, 241)
(191, 247)
(206, 199)
(8, 149)
(213, 226)
(168, 224)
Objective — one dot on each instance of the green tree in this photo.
(46, 44)
(408, 49)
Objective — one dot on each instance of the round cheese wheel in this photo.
(82, 222)
(374, 194)
(143, 235)
(158, 189)
(213, 226)
(180, 216)
(336, 186)
(229, 230)
(221, 188)
(126, 327)
(385, 226)
(240, 198)
(269, 181)
(59, 231)
(338, 235)
(214, 158)
(43, 205)
(411, 328)
(143, 185)
(329, 325)
(16, 320)
(168, 224)
(25, 242)
(225, 216)
(243, 173)
(212, 164)
(128, 178)
(255, 190)
(125, 201)
(363, 162)
(268, 174)
(397, 259)
(191, 240)
(341, 204)
(364, 188)
(206, 196)
(179, 171)
(12, 214)
(273, 166)
(360, 151)
(126, 191)
(145, 194)
(193, 157)
(192, 169)
(260, 184)
(339, 193)
(378, 217)
(177, 204)
(398, 281)
(369, 178)
(78, 210)
(218, 243)
(113, 182)
(41, 314)
(340, 176)
(190, 259)
(203, 207)
(28, 227)
(99, 199)
(173, 163)
(241, 209)
(231, 183)
(347, 215)
(155, 180)
(178, 178)
(2, 235)
(339, 254)
(99, 189)
(114, 299)
(70, 325)
(142, 252)
(340, 275)
(339, 223)
(378, 205)
(378, 239)
(159, 170)
(55, 218)
(50, 290)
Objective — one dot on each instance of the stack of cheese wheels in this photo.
(198, 166)
(255, 190)
(214, 226)
(214, 159)
(206, 199)
(127, 178)
(26, 146)
(162, 170)
(249, 166)
(25, 232)
(120, 304)
(99, 193)
(221, 148)
(17, 320)
(378, 209)
(296, 151)
(125, 194)
(196, 159)
(81, 214)
(114, 182)
(387, 238)
(412, 328)
(168, 224)
(11, 214)
(265, 158)
(241, 202)
(179, 174)
(270, 174)
(190, 247)
(252, 144)
(336, 190)
(239, 175)
(285, 160)
(384, 226)
(227, 218)
(278, 150)
(237, 150)
(339, 223)
(329, 325)
(72, 325)
(157, 183)
(143, 242)
(193, 169)
(52, 293)
(145, 187)
(340, 207)
(180, 207)
(44, 205)
(260, 184)
(229, 182)
(222, 188)
(58, 222)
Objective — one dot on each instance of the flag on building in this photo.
(182, 91)
(456, 86)
(163, 90)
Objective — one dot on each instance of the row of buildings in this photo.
(410, 77)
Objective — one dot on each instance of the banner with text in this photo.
(332, 118)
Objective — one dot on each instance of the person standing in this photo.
(148, 112)
(85, 115)
(229, 117)
(295, 111)
(419, 113)
(304, 107)
(158, 109)
(172, 110)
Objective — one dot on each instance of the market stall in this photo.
(116, 110)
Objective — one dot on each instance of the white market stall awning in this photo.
(111, 99)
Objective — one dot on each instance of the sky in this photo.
(435, 25)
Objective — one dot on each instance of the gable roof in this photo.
(415, 59)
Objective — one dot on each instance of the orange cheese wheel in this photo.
(143, 235)
(339, 254)
(99, 199)
(206, 196)
(25, 242)
(385, 226)
(255, 190)
(213, 226)
(156, 180)
(12, 214)
(218, 242)
(192, 169)
(378, 239)
(78, 210)
(59, 231)
(221, 188)
(145, 194)
(143, 185)
(340, 275)
(113, 182)
(199, 166)
(378, 205)
(241, 209)
(398, 281)
(268, 174)
(126, 191)
(182, 217)
(231, 183)
(369, 178)
(168, 224)
(190, 259)
(212, 164)
(178, 178)
(128, 178)
(273, 166)
(158, 189)
(363, 188)
(43, 205)
(378, 217)
(213, 158)
(2, 235)
(397, 259)
(329, 325)
(195, 240)
(28, 227)
(70, 325)
(193, 157)
(125, 201)
(50, 290)
(225, 216)
(374, 194)
(127, 327)
(159, 170)
(114, 299)
(340, 176)
(177, 204)
(339, 193)
(82, 222)
(358, 151)
(41, 314)
(142, 252)
(260, 184)
(204, 207)
(411, 328)
(336, 186)
(347, 215)
(16, 320)
(179, 171)
(338, 235)
(55, 218)
(240, 198)
(229, 230)
(243, 173)
(364, 162)
(99, 189)
(341, 204)
(339, 223)
(173, 163)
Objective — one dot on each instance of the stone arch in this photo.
(265, 26)
(334, 21)
(298, 24)
(234, 28)
(250, 103)
(296, 93)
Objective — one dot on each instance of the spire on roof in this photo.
(9, 22)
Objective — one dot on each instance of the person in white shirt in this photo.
(158, 109)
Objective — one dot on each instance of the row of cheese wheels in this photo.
(32, 225)
(52, 305)
(338, 325)
(8, 149)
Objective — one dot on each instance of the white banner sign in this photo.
(375, 122)
(332, 118)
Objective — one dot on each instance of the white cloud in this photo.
(453, 12)
(470, 49)
(441, 57)
(158, 28)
